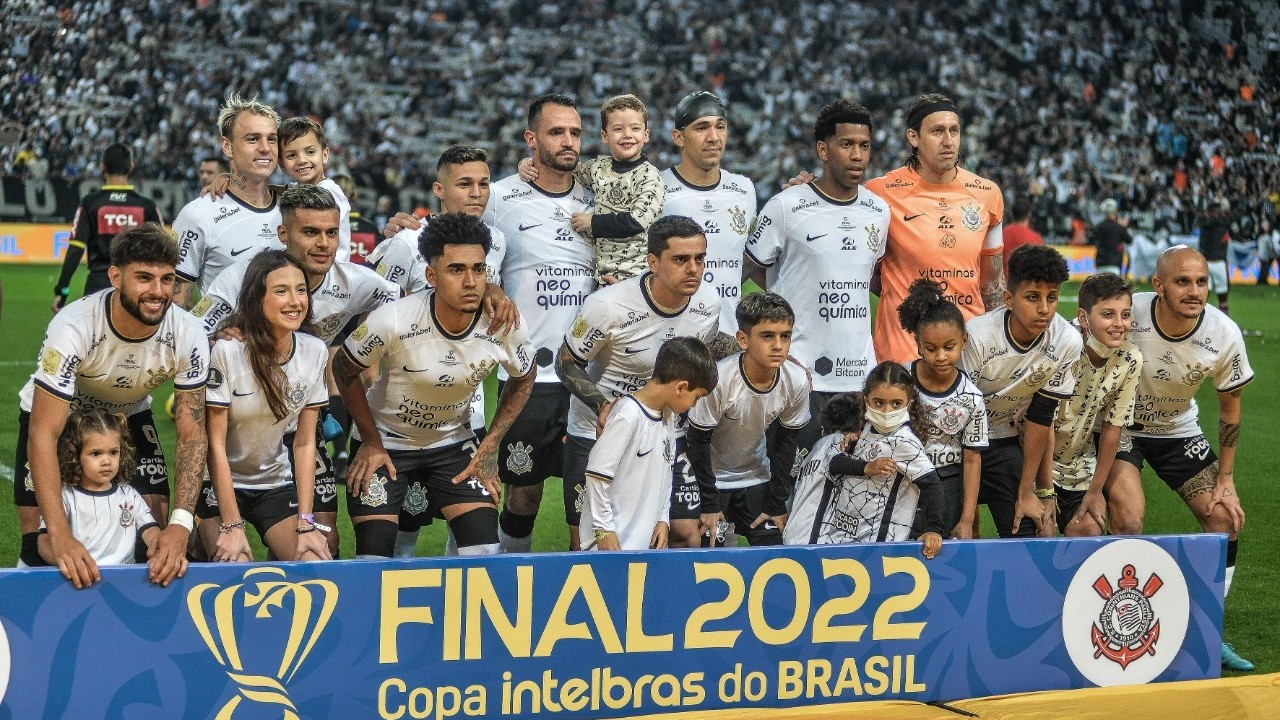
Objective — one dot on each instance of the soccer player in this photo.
(627, 502)
(723, 203)
(816, 245)
(462, 185)
(1109, 238)
(1020, 357)
(108, 351)
(215, 233)
(548, 271)
(743, 475)
(101, 215)
(1183, 343)
(1086, 429)
(611, 347)
(340, 292)
(265, 386)
(946, 227)
(414, 423)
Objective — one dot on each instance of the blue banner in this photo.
(612, 634)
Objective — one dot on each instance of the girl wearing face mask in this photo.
(954, 412)
(1086, 428)
(873, 489)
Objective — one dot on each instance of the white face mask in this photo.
(1097, 346)
(887, 422)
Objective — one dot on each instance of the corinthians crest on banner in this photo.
(1127, 627)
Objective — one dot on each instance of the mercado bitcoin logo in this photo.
(1125, 614)
(269, 602)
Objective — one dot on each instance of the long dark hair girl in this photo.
(257, 331)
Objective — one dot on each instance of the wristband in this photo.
(600, 534)
(1046, 493)
(182, 518)
(62, 291)
(228, 527)
(310, 519)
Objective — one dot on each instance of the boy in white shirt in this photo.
(628, 478)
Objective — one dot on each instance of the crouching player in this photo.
(627, 500)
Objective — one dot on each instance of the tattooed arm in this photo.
(573, 373)
(753, 271)
(484, 464)
(991, 280)
(372, 454)
(168, 556)
(1224, 491)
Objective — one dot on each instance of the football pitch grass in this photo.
(28, 294)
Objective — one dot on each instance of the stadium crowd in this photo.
(1160, 105)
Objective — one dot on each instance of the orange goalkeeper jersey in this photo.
(939, 232)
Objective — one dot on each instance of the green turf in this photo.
(26, 312)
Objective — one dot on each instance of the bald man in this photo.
(1184, 342)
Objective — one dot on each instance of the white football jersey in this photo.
(1173, 369)
(106, 522)
(725, 211)
(618, 335)
(214, 234)
(548, 269)
(255, 446)
(1008, 375)
(814, 484)
(739, 415)
(820, 254)
(343, 253)
(629, 476)
(422, 397)
(957, 420)
(85, 362)
(881, 508)
(397, 260)
(348, 290)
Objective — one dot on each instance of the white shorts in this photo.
(1218, 277)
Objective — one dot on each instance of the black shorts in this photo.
(1068, 503)
(326, 484)
(260, 508)
(576, 452)
(686, 495)
(952, 477)
(1175, 460)
(533, 449)
(423, 485)
(741, 507)
(411, 521)
(1001, 477)
(150, 475)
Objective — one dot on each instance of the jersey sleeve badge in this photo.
(50, 359)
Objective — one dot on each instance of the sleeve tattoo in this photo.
(191, 450)
(1228, 434)
(993, 285)
(574, 376)
(722, 346)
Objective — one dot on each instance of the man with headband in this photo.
(946, 227)
(723, 203)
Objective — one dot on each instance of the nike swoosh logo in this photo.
(237, 252)
(911, 217)
(629, 351)
(408, 370)
(240, 394)
(811, 238)
(642, 454)
(326, 497)
(293, 504)
(529, 227)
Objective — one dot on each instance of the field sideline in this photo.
(1249, 624)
